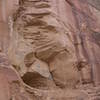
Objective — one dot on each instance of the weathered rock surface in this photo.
(49, 50)
(11, 86)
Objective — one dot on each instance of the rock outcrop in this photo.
(45, 37)
(49, 49)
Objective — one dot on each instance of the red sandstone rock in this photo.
(52, 44)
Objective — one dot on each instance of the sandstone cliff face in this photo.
(43, 45)
(52, 50)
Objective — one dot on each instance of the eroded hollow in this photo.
(35, 80)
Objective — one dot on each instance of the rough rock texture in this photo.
(49, 50)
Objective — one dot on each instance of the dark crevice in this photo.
(36, 80)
